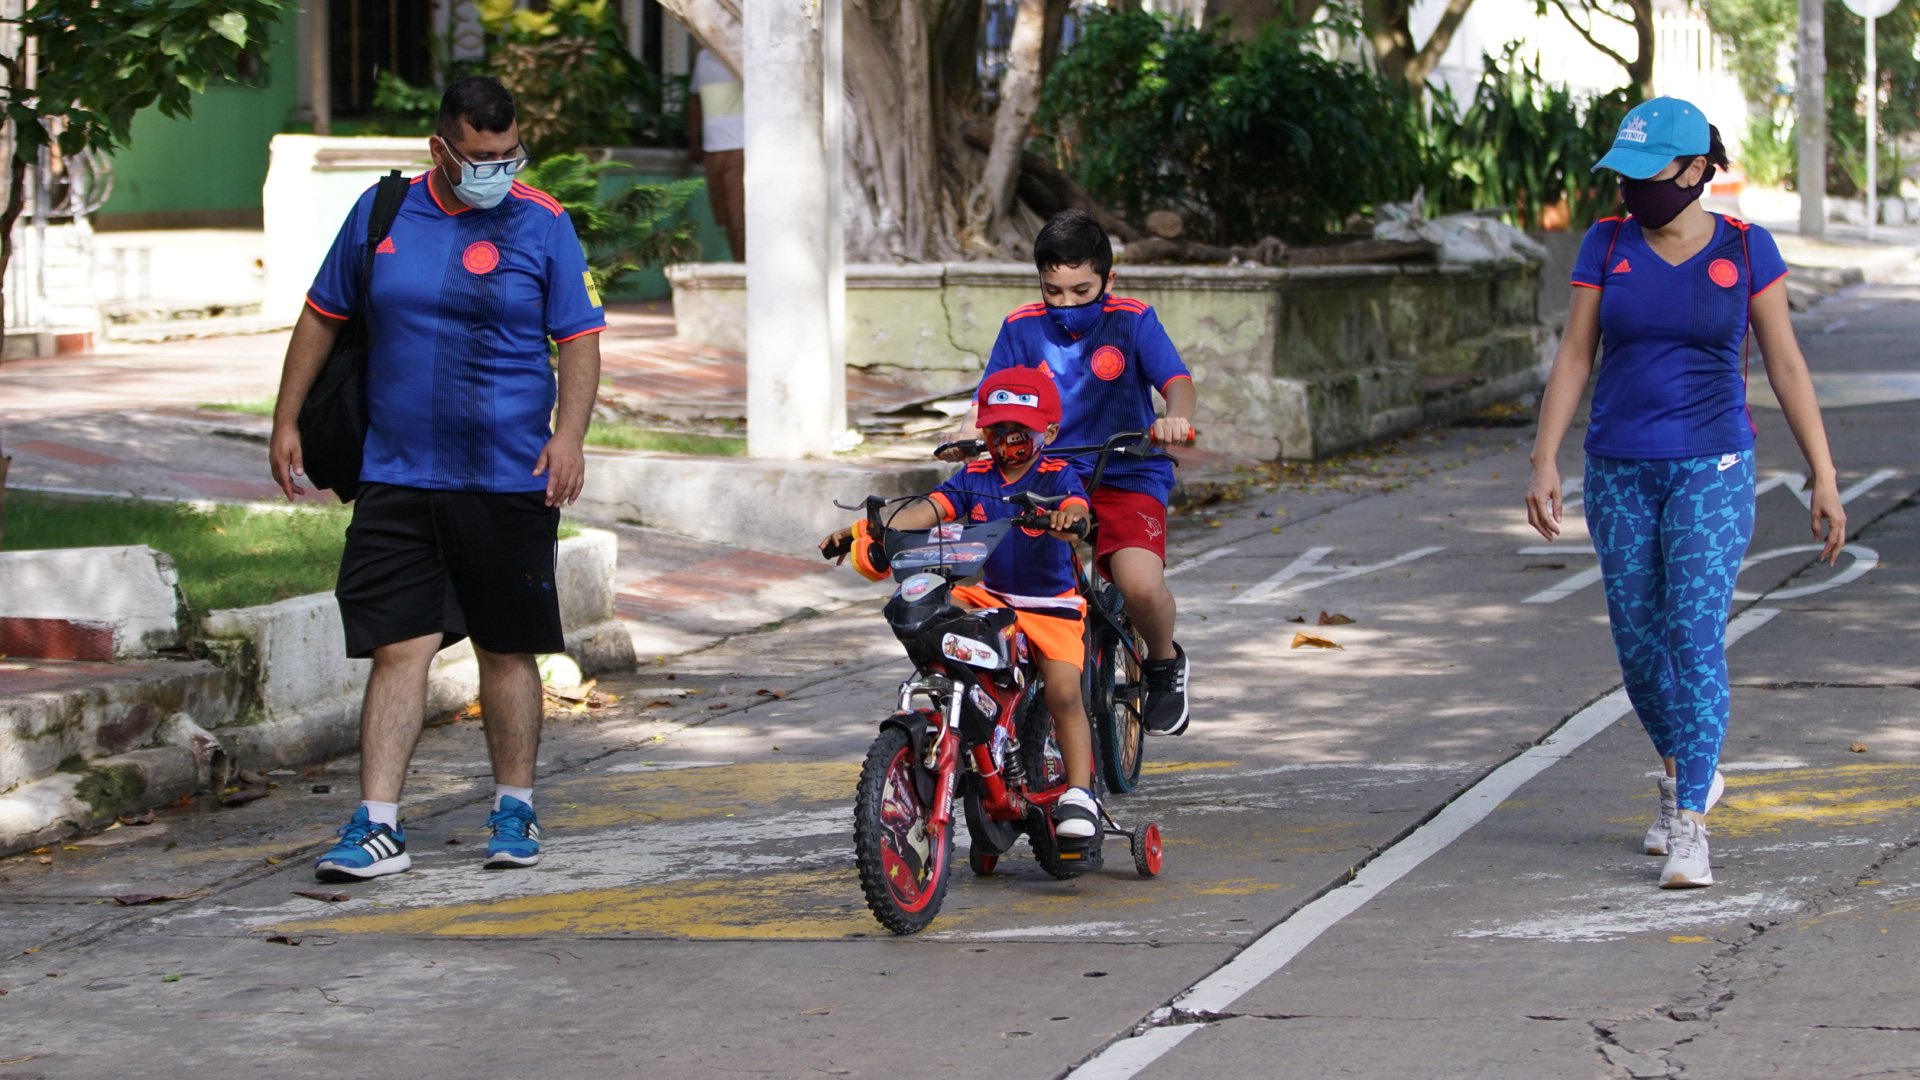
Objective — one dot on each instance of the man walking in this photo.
(454, 530)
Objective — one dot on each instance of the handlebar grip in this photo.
(968, 447)
(837, 550)
(1039, 521)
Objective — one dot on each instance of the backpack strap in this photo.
(387, 198)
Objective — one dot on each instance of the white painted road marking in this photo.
(1271, 951)
(1569, 586)
(1309, 563)
(1793, 482)
(1864, 560)
(1201, 559)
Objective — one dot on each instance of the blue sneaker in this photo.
(516, 835)
(367, 849)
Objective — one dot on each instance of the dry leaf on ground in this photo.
(1298, 618)
(324, 897)
(770, 693)
(1858, 748)
(1334, 620)
(1303, 638)
(135, 899)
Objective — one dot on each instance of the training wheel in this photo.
(982, 864)
(1146, 849)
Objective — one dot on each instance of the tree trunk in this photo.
(990, 204)
(715, 22)
(1243, 19)
(1389, 26)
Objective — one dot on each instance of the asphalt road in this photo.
(1411, 856)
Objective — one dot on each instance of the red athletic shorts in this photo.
(1128, 519)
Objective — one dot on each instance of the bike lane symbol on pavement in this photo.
(1865, 559)
(1276, 586)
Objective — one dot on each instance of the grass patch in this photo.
(228, 556)
(614, 436)
(262, 407)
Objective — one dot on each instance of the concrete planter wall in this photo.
(92, 603)
(297, 696)
(1294, 363)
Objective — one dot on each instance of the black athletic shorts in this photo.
(457, 563)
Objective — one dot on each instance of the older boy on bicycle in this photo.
(1108, 355)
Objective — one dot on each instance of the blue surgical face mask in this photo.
(482, 193)
(1079, 318)
(482, 185)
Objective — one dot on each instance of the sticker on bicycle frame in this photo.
(946, 532)
(968, 651)
(921, 558)
(983, 701)
(917, 586)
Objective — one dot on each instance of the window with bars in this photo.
(367, 37)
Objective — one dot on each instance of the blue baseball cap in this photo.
(1655, 133)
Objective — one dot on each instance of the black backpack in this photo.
(333, 419)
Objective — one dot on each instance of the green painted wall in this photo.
(218, 159)
(651, 283)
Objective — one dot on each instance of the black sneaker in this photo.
(1166, 706)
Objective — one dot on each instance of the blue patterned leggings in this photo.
(1670, 536)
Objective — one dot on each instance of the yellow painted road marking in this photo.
(1159, 767)
(1835, 795)
(600, 800)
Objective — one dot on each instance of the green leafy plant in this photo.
(97, 65)
(628, 231)
(1525, 144)
(1268, 138)
(1767, 151)
(575, 81)
(401, 108)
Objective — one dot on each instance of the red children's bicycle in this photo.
(971, 728)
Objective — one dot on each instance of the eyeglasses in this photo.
(486, 170)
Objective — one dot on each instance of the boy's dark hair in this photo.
(480, 100)
(1071, 238)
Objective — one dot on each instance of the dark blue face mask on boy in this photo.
(1077, 319)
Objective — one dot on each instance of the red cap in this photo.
(1023, 395)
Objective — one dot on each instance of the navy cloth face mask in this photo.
(1654, 203)
(1078, 318)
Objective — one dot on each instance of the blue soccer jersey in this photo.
(1031, 568)
(1670, 383)
(459, 388)
(1107, 378)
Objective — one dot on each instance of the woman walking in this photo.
(1670, 293)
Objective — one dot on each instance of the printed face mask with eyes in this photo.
(1013, 445)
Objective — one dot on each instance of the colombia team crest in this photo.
(480, 257)
(1723, 273)
(1108, 362)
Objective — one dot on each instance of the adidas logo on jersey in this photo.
(386, 247)
(1622, 268)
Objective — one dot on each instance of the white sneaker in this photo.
(1690, 866)
(1656, 840)
(1076, 816)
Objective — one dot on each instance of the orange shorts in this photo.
(1057, 633)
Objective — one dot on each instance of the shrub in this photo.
(628, 231)
(575, 82)
(1269, 138)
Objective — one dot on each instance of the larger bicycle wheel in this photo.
(1114, 695)
(903, 861)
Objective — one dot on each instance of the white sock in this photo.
(385, 813)
(524, 794)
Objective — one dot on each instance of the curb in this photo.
(48, 809)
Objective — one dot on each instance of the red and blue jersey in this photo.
(1031, 567)
(1670, 383)
(459, 388)
(1107, 378)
